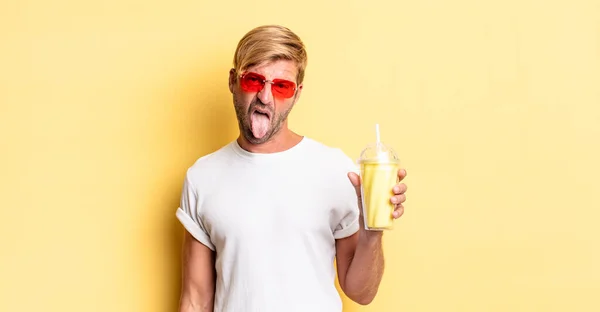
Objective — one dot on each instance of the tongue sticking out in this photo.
(259, 124)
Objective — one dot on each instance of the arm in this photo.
(360, 265)
(360, 259)
(198, 276)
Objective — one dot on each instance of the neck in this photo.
(283, 140)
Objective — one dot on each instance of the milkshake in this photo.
(379, 167)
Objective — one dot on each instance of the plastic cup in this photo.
(379, 167)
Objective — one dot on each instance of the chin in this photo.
(254, 140)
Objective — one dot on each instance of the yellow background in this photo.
(493, 106)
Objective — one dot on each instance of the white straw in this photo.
(377, 133)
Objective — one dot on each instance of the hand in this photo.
(399, 197)
(398, 190)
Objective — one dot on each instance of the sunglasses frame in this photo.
(264, 81)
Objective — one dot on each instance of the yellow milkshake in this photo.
(379, 167)
(378, 179)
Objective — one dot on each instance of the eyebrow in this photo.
(285, 75)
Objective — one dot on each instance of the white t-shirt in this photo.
(272, 220)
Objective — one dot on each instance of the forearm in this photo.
(198, 304)
(198, 277)
(366, 268)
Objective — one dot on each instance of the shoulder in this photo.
(331, 156)
(207, 165)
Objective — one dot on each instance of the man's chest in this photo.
(276, 203)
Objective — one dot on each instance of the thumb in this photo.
(355, 180)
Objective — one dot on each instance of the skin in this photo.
(279, 137)
(360, 260)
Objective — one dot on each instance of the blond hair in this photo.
(269, 43)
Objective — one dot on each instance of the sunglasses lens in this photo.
(252, 82)
(283, 88)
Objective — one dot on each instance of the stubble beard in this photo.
(244, 122)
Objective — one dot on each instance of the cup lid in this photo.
(378, 152)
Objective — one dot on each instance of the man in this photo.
(267, 214)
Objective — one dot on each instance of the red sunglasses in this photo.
(281, 88)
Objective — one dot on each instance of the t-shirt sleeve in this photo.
(349, 222)
(188, 213)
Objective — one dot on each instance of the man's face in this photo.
(262, 111)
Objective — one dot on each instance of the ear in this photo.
(232, 79)
(298, 92)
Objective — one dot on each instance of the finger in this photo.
(400, 189)
(401, 174)
(398, 212)
(355, 180)
(398, 199)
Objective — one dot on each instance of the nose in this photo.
(265, 95)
